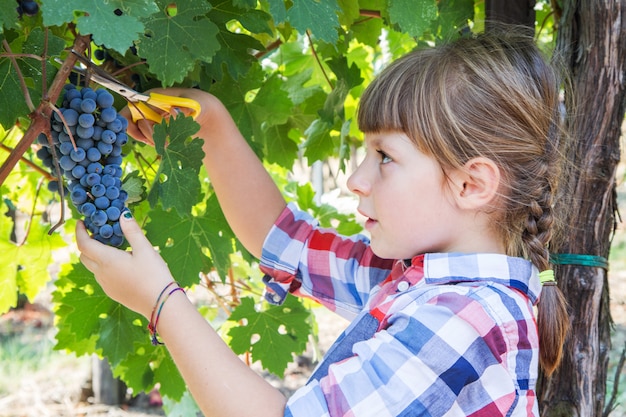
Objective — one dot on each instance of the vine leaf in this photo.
(319, 17)
(272, 335)
(171, 44)
(183, 241)
(101, 19)
(8, 17)
(177, 184)
(24, 268)
(12, 100)
(414, 23)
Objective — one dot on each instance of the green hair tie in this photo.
(547, 277)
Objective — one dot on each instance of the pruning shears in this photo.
(141, 105)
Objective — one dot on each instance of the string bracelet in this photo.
(154, 317)
(547, 277)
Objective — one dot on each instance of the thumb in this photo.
(132, 232)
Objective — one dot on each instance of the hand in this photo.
(143, 129)
(134, 278)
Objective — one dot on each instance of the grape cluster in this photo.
(92, 169)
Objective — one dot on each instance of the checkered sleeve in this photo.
(305, 259)
(431, 360)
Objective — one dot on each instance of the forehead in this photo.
(388, 139)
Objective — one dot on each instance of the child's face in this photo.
(403, 194)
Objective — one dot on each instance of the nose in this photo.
(357, 182)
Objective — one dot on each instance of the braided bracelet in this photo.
(154, 319)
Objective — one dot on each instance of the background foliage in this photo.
(290, 73)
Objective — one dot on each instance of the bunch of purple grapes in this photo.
(91, 168)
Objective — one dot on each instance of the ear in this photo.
(476, 184)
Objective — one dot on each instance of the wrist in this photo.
(168, 290)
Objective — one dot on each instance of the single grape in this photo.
(84, 132)
(71, 116)
(112, 192)
(108, 115)
(105, 148)
(67, 163)
(65, 148)
(93, 154)
(102, 203)
(86, 119)
(98, 190)
(99, 218)
(78, 154)
(29, 7)
(78, 196)
(108, 180)
(113, 213)
(88, 209)
(88, 105)
(108, 136)
(76, 103)
(78, 171)
(106, 231)
(115, 125)
(43, 153)
(95, 167)
(104, 99)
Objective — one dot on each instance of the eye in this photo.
(384, 158)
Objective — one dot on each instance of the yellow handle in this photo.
(166, 103)
(141, 110)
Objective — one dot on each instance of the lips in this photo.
(369, 223)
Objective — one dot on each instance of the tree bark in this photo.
(591, 43)
(518, 12)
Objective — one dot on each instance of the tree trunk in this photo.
(517, 12)
(592, 44)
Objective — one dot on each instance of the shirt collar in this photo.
(453, 268)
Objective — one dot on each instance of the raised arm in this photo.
(247, 194)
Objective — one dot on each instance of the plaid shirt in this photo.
(455, 334)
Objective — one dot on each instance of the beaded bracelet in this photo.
(154, 319)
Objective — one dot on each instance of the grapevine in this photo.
(87, 136)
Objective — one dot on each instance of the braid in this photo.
(553, 318)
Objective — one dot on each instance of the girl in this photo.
(457, 186)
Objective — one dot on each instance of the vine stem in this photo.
(41, 115)
(314, 52)
(31, 164)
(20, 76)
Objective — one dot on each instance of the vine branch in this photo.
(41, 115)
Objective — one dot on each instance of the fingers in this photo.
(133, 233)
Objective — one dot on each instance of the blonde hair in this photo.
(495, 96)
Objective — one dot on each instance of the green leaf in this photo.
(134, 186)
(234, 54)
(253, 20)
(271, 336)
(318, 16)
(119, 333)
(177, 184)
(173, 44)
(11, 97)
(8, 17)
(99, 18)
(183, 241)
(24, 267)
(413, 16)
(79, 304)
